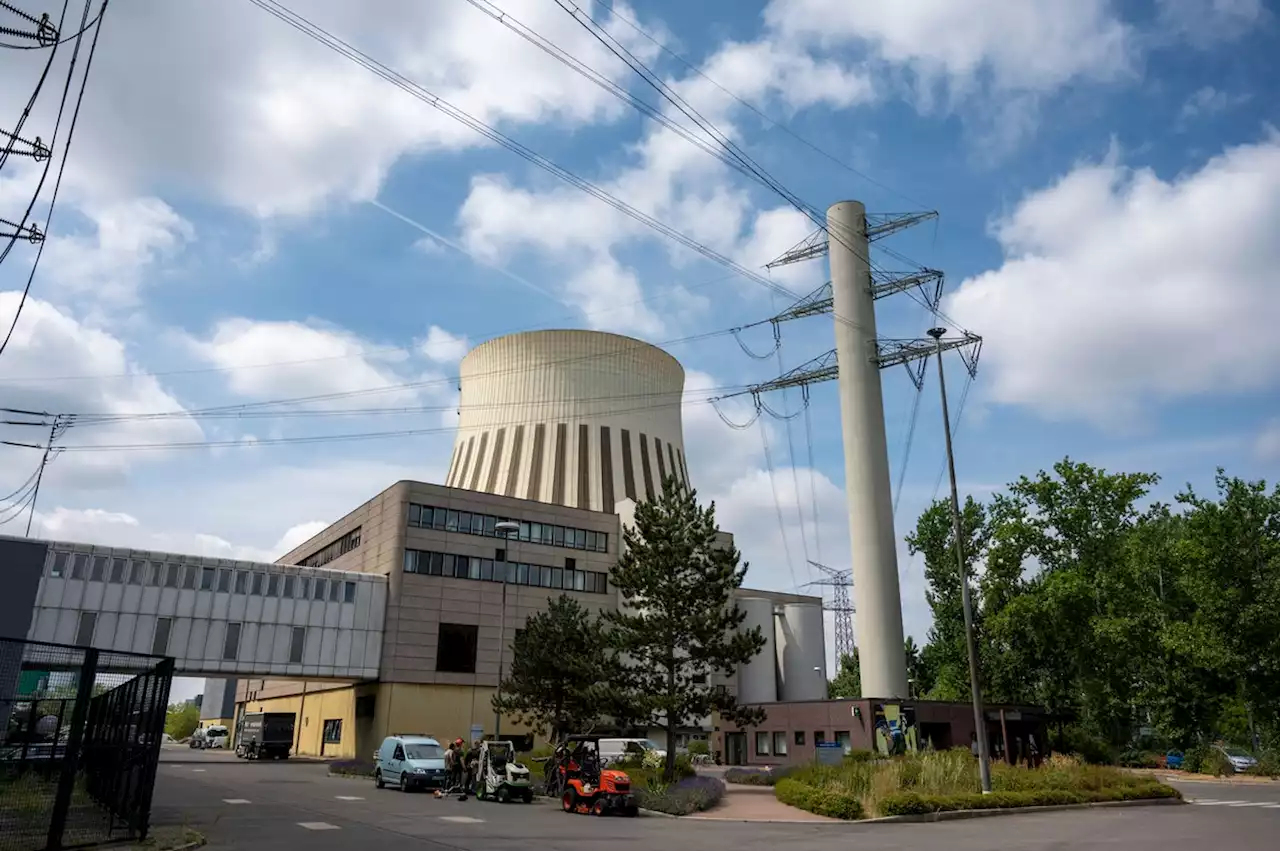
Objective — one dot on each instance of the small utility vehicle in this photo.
(588, 787)
(500, 778)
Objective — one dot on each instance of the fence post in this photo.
(71, 756)
(161, 677)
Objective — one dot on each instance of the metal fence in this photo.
(80, 743)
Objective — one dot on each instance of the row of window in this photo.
(775, 743)
(222, 579)
(329, 552)
(567, 578)
(471, 523)
(164, 626)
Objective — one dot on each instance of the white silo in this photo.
(583, 419)
(758, 679)
(801, 655)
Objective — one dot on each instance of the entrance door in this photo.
(735, 745)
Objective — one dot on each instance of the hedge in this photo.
(911, 804)
(756, 776)
(351, 767)
(823, 802)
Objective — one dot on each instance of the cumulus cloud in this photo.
(1208, 101)
(57, 365)
(289, 125)
(443, 347)
(1120, 289)
(292, 360)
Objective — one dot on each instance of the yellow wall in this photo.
(310, 711)
(215, 722)
(443, 711)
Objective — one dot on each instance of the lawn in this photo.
(948, 780)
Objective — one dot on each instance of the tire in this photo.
(503, 795)
(599, 808)
(569, 801)
(378, 782)
(528, 796)
(631, 811)
(404, 783)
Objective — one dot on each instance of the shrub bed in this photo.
(932, 781)
(756, 776)
(352, 767)
(911, 803)
(823, 802)
(684, 797)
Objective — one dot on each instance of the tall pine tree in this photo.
(678, 625)
(561, 665)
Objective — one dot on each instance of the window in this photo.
(84, 632)
(318, 590)
(155, 574)
(329, 552)
(118, 569)
(415, 515)
(500, 554)
(99, 568)
(59, 566)
(779, 743)
(231, 645)
(137, 572)
(842, 739)
(304, 587)
(762, 743)
(477, 524)
(335, 591)
(174, 577)
(207, 576)
(348, 592)
(273, 585)
(224, 581)
(160, 641)
(398, 753)
(456, 648)
(297, 642)
(333, 731)
(78, 561)
(255, 587)
(189, 576)
(411, 561)
(799, 738)
(242, 582)
(286, 587)
(819, 737)
(490, 570)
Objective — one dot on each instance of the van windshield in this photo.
(421, 751)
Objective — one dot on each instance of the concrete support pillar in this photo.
(866, 458)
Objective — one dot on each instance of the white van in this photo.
(613, 750)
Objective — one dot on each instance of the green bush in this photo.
(1268, 765)
(685, 797)
(1193, 760)
(1135, 758)
(860, 756)
(1215, 762)
(911, 803)
(823, 802)
(1092, 749)
(698, 747)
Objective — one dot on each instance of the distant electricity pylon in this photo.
(841, 606)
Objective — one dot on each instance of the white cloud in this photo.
(1120, 289)
(1206, 23)
(1267, 444)
(286, 360)
(428, 245)
(443, 347)
(1208, 101)
(1022, 46)
(47, 348)
(246, 110)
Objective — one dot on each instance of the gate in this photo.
(80, 743)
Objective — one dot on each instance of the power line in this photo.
(417, 91)
(66, 149)
(777, 502)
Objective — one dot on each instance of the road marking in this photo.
(462, 819)
(198, 770)
(1251, 804)
(348, 798)
(318, 825)
(1217, 803)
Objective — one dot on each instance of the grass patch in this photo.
(948, 780)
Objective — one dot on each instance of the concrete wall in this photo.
(219, 699)
(342, 639)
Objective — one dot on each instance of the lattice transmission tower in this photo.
(841, 606)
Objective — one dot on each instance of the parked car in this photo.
(1173, 760)
(1241, 760)
(614, 750)
(409, 762)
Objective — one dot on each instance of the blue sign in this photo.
(829, 753)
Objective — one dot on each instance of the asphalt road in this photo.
(273, 806)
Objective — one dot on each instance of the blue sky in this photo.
(233, 230)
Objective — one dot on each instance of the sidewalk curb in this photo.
(1228, 781)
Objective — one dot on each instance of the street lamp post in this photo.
(505, 528)
(984, 759)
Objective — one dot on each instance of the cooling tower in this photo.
(802, 655)
(758, 679)
(576, 418)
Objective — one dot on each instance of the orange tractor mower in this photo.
(587, 786)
